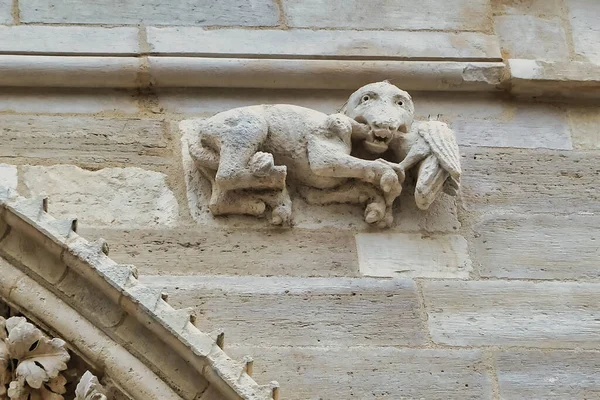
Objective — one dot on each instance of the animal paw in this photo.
(338, 125)
(261, 163)
(281, 215)
(374, 212)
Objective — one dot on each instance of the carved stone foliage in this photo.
(32, 365)
(89, 388)
(251, 154)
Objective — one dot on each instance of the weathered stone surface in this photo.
(130, 197)
(300, 311)
(572, 79)
(512, 313)
(67, 101)
(522, 125)
(154, 12)
(540, 8)
(584, 123)
(68, 39)
(5, 12)
(204, 102)
(527, 181)
(371, 372)
(84, 140)
(413, 255)
(583, 17)
(303, 43)
(198, 251)
(457, 15)
(8, 176)
(554, 375)
(528, 37)
(55, 71)
(538, 246)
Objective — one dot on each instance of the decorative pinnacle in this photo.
(248, 365)
(221, 340)
(45, 204)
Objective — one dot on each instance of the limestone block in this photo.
(513, 313)
(25, 39)
(71, 102)
(548, 375)
(205, 102)
(130, 197)
(371, 372)
(304, 43)
(584, 123)
(210, 251)
(5, 12)
(527, 181)
(583, 17)
(538, 246)
(572, 79)
(522, 125)
(69, 72)
(540, 8)
(528, 37)
(458, 15)
(413, 255)
(154, 12)
(300, 311)
(84, 141)
(8, 176)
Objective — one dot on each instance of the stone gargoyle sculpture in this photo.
(250, 154)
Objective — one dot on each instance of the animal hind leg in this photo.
(353, 192)
(241, 164)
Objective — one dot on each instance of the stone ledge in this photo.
(521, 77)
(554, 79)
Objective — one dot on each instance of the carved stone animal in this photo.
(431, 147)
(249, 153)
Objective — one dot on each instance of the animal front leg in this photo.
(330, 160)
(417, 152)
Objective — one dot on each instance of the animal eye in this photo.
(400, 102)
(365, 98)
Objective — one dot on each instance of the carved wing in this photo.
(442, 141)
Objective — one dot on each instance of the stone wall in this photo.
(495, 295)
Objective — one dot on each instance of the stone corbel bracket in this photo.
(109, 295)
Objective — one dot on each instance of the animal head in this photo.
(385, 108)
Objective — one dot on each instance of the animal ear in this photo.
(344, 108)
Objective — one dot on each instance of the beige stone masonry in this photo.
(549, 376)
(84, 141)
(583, 18)
(528, 37)
(153, 12)
(67, 101)
(5, 12)
(584, 122)
(130, 197)
(551, 79)
(413, 255)
(117, 286)
(452, 15)
(334, 44)
(212, 251)
(64, 40)
(528, 181)
(8, 176)
(63, 71)
(541, 246)
(383, 372)
(513, 313)
(306, 311)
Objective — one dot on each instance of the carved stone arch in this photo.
(125, 330)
